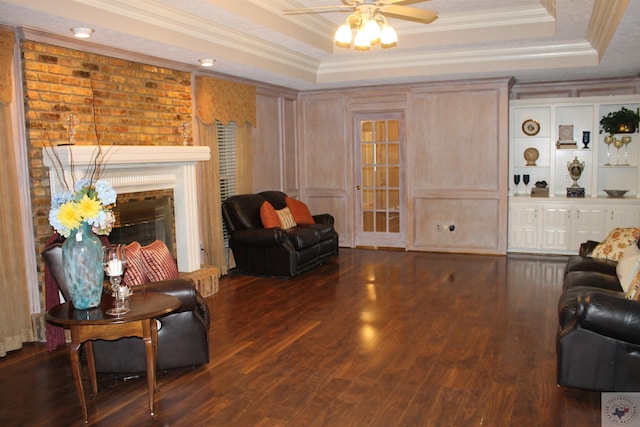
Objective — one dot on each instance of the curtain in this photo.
(227, 102)
(244, 160)
(15, 316)
(211, 219)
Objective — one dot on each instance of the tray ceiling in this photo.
(531, 40)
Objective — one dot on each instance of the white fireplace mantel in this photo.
(136, 168)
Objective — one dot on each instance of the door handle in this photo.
(357, 187)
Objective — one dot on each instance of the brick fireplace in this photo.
(132, 169)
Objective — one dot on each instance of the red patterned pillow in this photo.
(269, 216)
(300, 211)
(160, 262)
(136, 272)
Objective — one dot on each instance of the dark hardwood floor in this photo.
(373, 338)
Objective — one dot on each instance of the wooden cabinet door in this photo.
(588, 223)
(556, 227)
(523, 227)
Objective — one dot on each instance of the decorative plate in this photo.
(531, 127)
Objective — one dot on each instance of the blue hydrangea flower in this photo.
(80, 184)
(60, 199)
(106, 193)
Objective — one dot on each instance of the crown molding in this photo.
(604, 21)
(420, 63)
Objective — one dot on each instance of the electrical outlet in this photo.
(438, 227)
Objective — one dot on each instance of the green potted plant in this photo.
(621, 121)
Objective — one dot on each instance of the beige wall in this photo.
(456, 160)
(456, 153)
(274, 141)
(458, 157)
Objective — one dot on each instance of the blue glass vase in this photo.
(82, 262)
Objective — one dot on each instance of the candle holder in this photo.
(71, 121)
(114, 263)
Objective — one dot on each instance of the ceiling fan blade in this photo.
(404, 2)
(409, 13)
(318, 9)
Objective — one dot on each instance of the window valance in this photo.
(225, 100)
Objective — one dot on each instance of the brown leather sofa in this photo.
(183, 338)
(273, 251)
(598, 341)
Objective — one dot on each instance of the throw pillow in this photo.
(628, 266)
(634, 290)
(136, 272)
(160, 262)
(300, 211)
(618, 240)
(268, 216)
(286, 219)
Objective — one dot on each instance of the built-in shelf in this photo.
(555, 224)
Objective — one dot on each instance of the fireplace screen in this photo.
(144, 221)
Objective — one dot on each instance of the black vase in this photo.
(586, 138)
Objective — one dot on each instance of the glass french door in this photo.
(379, 184)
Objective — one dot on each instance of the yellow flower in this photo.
(88, 208)
(68, 216)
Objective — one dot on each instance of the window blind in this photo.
(227, 153)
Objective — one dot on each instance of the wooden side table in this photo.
(95, 323)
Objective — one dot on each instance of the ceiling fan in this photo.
(392, 8)
(368, 20)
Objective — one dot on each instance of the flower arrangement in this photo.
(90, 202)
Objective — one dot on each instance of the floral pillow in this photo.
(618, 240)
(634, 290)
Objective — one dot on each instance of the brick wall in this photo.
(115, 101)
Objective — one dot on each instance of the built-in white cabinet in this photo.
(559, 225)
(545, 135)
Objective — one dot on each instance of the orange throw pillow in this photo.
(299, 210)
(268, 216)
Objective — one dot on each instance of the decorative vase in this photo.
(82, 263)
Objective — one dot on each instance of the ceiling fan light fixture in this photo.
(362, 41)
(388, 36)
(343, 35)
(82, 32)
(372, 28)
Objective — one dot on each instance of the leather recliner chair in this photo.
(183, 337)
(598, 340)
(273, 251)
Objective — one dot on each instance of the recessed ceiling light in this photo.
(81, 33)
(207, 62)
